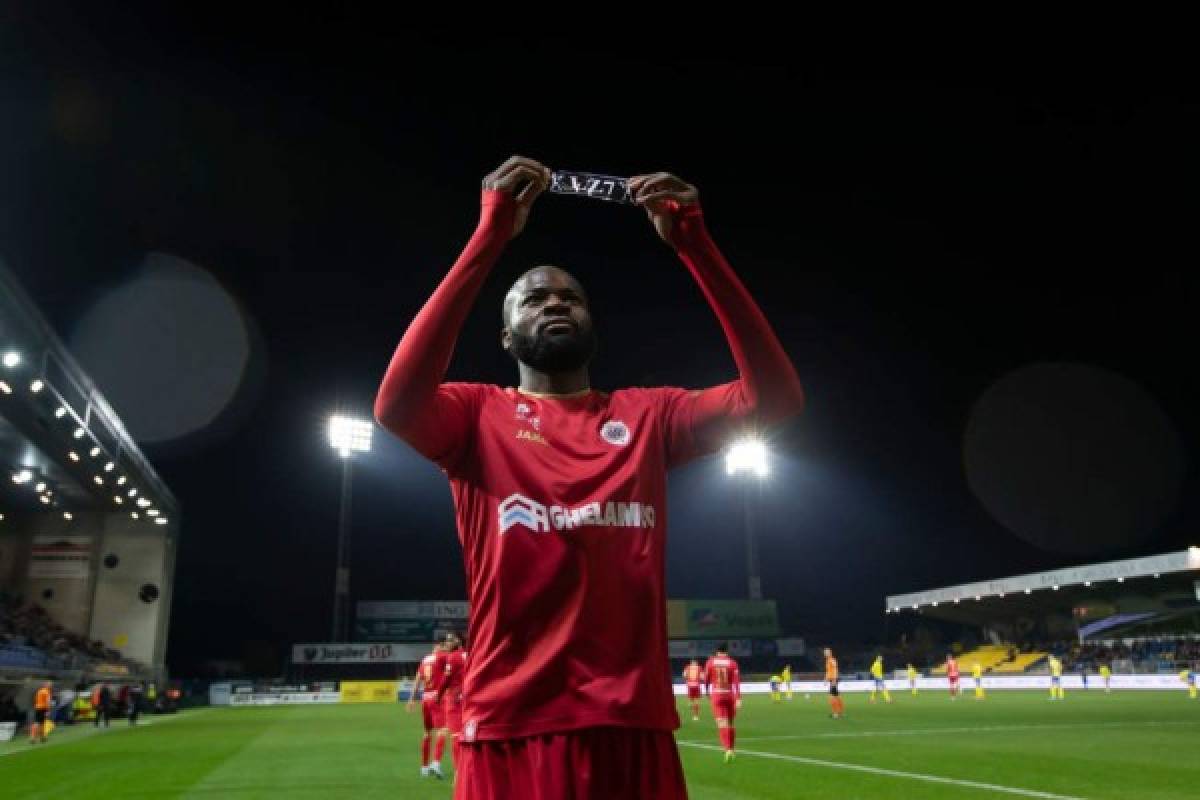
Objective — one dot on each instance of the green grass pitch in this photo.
(1131, 745)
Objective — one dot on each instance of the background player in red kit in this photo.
(560, 500)
(952, 675)
(723, 684)
(450, 666)
(693, 676)
(431, 711)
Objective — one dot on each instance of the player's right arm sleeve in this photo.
(437, 418)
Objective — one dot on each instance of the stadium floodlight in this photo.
(1087, 583)
(4, 387)
(68, 516)
(24, 476)
(1029, 591)
(118, 500)
(160, 521)
(79, 432)
(1056, 587)
(45, 500)
(37, 386)
(41, 487)
(99, 481)
(74, 456)
(1121, 580)
(12, 358)
(60, 412)
(142, 502)
(347, 435)
(133, 514)
(152, 512)
(934, 604)
(121, 481)
(95, 451)
(749, 456)
(132, 492)
(109, 466)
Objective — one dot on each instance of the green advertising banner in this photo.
(714, 619)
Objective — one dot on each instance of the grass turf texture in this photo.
(1013, 744)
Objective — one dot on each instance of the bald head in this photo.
(547, 324)
(541, 278)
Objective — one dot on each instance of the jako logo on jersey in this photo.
(469, 730)
(615, 432)
(517, 509)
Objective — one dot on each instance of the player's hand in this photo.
(662, 195)
(738, 704)
(524, 179)
(409, 707)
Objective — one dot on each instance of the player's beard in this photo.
(555, 353)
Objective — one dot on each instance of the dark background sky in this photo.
(914, 232)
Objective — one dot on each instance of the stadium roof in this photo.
(1174, 577)
(62, 447)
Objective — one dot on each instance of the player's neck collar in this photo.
(556, 395)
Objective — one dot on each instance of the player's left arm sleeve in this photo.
(767, 389)
(737, 683)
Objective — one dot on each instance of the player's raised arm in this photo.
(412, 401)
(768, 388)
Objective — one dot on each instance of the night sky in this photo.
(915, 235)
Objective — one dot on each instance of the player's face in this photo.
(547, 323)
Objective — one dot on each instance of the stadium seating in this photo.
(987, 656)
(1022, 662)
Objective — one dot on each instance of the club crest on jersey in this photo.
(517, 509)
(469, 729)
(615, 432)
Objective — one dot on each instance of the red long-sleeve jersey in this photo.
(561, 501)
(721, 676)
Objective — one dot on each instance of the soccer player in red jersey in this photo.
(724, 687)
(450, 666)
(693, 675)
(431, 712)
(952, 675)
(560, 500)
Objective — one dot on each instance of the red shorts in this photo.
(588, 764)
(693, 692)
(723, 706)
(452, 713)
(953, 680)
(432, 714)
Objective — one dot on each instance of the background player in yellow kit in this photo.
(1188, 676)
(1106, 675)
(786, 674)
(877, 676)
(912, 679)
(977, 674)
(1056, 689)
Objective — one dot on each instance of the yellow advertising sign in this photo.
(369, 691)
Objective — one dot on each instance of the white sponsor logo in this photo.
(469, 730)
(517, 509)
(615, 432)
